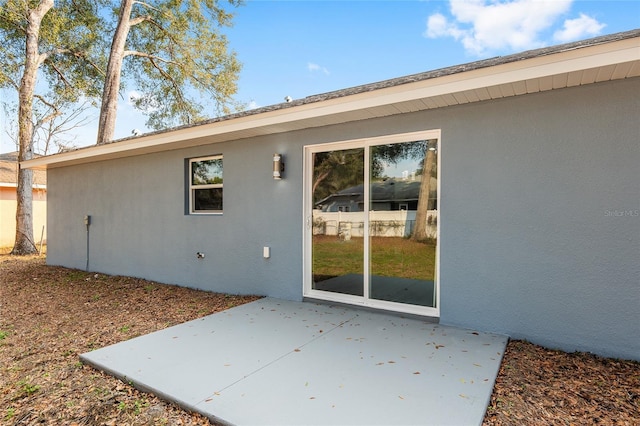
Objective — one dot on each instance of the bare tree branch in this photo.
(148, 56)
(139, 20)
(147, 5)
(61, 75)
(56, 112)
(44, 101)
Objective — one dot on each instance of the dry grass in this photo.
(49, 315)
(538, 386)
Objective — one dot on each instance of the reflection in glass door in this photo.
(372, 222)
(338, 221)
(403, 222)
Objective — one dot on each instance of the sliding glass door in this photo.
(337, 238)
(371, 234)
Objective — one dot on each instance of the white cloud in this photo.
(576, 29)
(484, 26)
(253, 105)
(317, 68)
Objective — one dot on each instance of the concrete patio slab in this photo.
(280, 362)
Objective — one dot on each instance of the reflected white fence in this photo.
(345, 225)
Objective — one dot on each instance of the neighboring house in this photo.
(8, 203)
(395, 202)
(386, 195)
(538, 187)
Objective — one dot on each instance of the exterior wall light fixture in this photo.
(278, 166)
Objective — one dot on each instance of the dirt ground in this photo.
(50, 315)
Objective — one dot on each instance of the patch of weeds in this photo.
(3, 334)
(504, 406)
(28, 388)
(95, 297)
(136, 408)
(101, 391)
(10, 413)
(137, 405)
(75, 276)
(124, 329)
(149, 287)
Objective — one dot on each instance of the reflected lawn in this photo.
(390, 257)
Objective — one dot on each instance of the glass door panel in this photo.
(403, 222)
(338, 221)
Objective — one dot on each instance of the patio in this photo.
(282, 362)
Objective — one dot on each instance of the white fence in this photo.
(398, 223)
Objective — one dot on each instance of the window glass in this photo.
(206, 172)
(207, 199)
(205, 185)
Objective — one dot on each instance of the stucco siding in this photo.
(528, 247)
(139, 226)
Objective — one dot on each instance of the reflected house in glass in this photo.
(387, 195)
(531, 213)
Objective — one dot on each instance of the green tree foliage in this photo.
(173, 48)
(62, 42)
(70, 52)
(176, 56)
(334, 171)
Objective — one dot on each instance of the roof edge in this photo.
(412, 78)
(330, 102)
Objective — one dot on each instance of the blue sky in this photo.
(300, 48)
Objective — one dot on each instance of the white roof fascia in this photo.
(544, 66)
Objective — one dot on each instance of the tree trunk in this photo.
(108, 111)
(424, 203)
(24, 243)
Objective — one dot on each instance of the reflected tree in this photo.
(425, 152)
(425, 201)
(336, 170)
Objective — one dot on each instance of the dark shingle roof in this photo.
(485, 63)
(388, 190)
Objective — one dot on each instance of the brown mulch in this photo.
(49, 315)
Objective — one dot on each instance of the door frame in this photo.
(364, 301)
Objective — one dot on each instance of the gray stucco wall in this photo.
(139, 227)
(532, 245)
(540, 234)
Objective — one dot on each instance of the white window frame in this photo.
(365, 300)
(193, 188)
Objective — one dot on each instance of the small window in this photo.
(205, 184)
